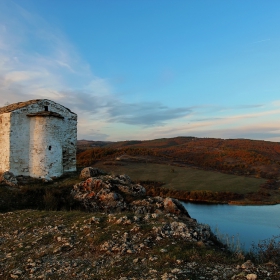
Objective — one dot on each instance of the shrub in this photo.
(51, 200)
(267, 250)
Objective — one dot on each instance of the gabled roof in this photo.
(15, 106)
(19, 105)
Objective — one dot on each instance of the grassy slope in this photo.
(185, 178)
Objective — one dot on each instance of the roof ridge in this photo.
(14, 106)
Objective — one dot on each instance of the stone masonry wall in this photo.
(4, 142)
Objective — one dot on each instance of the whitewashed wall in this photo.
(4, 142)
(45, 147)
(19, 142)
(31, 137)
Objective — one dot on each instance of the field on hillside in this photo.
(185, 178)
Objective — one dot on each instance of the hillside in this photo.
(76, 245)
(239, 156)
(83, 145)
(239, 171)
(123, 234)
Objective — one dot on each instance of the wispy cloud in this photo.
(254, 131)
(262, 41)
(248, 106)
(276, 103)
(249, 132)
(144, 113)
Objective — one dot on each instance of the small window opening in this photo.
(46, 108)
(50, 147)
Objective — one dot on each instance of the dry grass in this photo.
(186, 178)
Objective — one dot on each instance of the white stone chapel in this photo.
(38, 139)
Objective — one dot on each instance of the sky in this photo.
(147, 69)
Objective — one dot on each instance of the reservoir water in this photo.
(247, 223)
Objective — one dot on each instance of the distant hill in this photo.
(83, 145)
(234, 156)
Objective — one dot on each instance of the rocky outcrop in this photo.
(8, 178)
(109, 193)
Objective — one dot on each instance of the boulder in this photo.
(90, 172)
(8, 178)
(252, 276)
(174, 206)
(247, 265)
(134, 190)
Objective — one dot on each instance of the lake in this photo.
(248, 223)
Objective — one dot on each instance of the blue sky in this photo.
(146, 69)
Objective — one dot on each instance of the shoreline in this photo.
(236, 203)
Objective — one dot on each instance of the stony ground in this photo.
(78, 245)
(142, 238)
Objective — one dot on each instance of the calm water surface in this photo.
(249, 223)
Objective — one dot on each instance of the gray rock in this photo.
(174, 206)
(134, 190)
(90, 172)
(247, 265)
(9, 179)
(251, 276)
